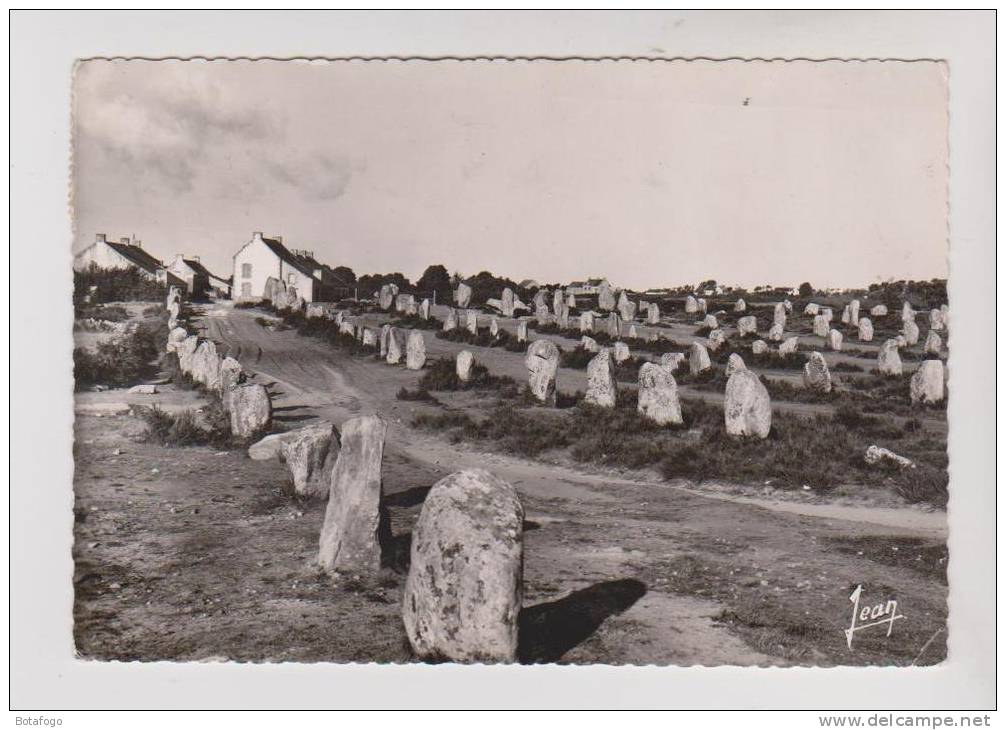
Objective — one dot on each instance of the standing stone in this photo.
(621, 352)
(415, 350)
(691, 305)
(310, 454)
(605, 297)
(834, 340)
(231, 376)
(633, 334)
(698, 358)
(601, 387)
(562, 316)
(716, 340)
(507, 301)
(354, 524)
(812, 309)
(703, 305)
(494, 327)
(385, 334)
(424, 309)
(775, 333)
(587, 322)
(175, 338)
(854, 312)
(614, 325)
(779, 315)
(463, 295)
(541, 314)
(589, 344)
(394, 355)
(734, 363)
(911, 332)
(658, 395)
(845, 314)
(789, 346)
(298, 304)
(464, 591)
(934, 343)
(369, 337)
(206, 365)
(907, 313)
(451, 320)
(626, 309)
(652, 313)
(816, 375)
(888, 359)
(759, 347)
(540, 300)
(251, 410)
(521, 330)
(740, 306)
(879, 311)
(926, 385)
(542, 362)
(828, 314)
(174, 310)
(472, 321)
(347, 328)
(821, 325)
(747, 408)
(747, 325)
(865, 329)
(403, 302)
(672, 360)
(571, 301)
(463, 365)
(387, 295)
(557, 301)
(935, 320)
(788, 305)
(710, 321)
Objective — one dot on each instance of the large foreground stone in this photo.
(251, 410)
(464, 591)
(698, 358)
(734, 363)
(747, 408)
(310, 454)
(658, 394)
(542, 362)
(601, 387)
(353, 529)
(175, 338)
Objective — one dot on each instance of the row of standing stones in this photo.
(464, 589)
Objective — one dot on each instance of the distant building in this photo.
(201, 282)
(126, 254)
(584, 288)
(529, 284)
(262, 258)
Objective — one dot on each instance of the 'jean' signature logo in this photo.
(877, 615)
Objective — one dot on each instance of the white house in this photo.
(585, 288)
(263, 258)
(200, 281)
(125, 254)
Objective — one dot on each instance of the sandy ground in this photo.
(193, 553)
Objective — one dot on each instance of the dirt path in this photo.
(653, 572)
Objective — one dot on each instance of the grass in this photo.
(414, 321)
(184, 429)
(657, 347)
(482, 338)
(420, 394)
(106, 312)
(441, 375)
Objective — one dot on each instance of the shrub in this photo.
(420, 394)
(107, 312)
(184, 429)
(923, 484)
(97, 285)
(441, 374)
(119, 361)
(414, 321)
(245, 305)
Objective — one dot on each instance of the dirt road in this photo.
(628, 571)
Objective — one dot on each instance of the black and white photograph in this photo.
(620, 362)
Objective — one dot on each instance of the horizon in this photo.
(831, 173)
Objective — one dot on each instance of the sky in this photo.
(649, 173)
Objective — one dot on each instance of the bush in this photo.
(97, 285)
(107, 312)
(414, 321)
(923, 484)
(416, 395)
(183, 429)
(120, 361)
(441, 375)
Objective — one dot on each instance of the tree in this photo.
(344, 276)
(371, 283)
(436, 279)
(806, 290)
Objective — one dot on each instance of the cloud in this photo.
(320, 176)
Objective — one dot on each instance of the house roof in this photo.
(304, 264)
(137, 256)
(197, 267)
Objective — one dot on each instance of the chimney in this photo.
(99, 237)
(257, 236)
(195, 258)
(125, 240)
(279, 239)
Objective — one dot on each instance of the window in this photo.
(246, 288)
(246, 271)
(291, 278)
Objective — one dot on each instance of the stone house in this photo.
(124, 254)
(586, 288)
(199, 282)
(263, 258)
